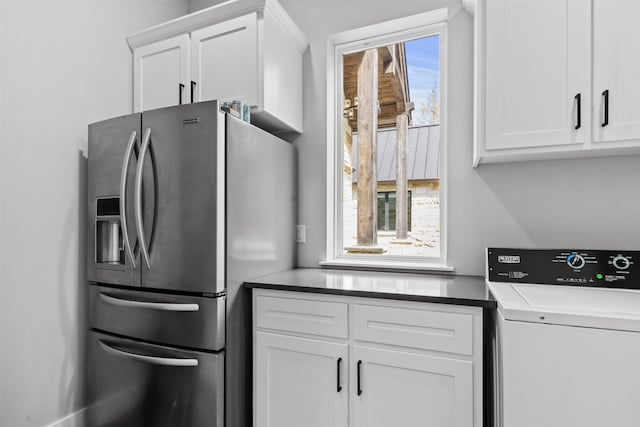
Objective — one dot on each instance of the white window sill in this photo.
(386, 265)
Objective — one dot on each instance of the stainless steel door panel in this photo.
(187, 321)
(134, 384)
(106, 152)
(261, 207)
(181, 204)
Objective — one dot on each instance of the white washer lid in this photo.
(617, 309)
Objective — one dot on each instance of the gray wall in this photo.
(64, 64)
(590, 203)
(195, 5)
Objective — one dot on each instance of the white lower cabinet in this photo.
(374, 363)
(398, 388)
(303, 382)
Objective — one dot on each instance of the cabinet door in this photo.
(225, 61)
(158, 71)
(396, 388)
(299, 382)
(616, 69)
(537, 61)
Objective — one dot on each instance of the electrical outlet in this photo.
(301, 234)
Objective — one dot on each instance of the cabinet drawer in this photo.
(300, 315)
(423, 329)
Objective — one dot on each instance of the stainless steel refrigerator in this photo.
(184, 204)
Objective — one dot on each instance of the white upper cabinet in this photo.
(616, 70)
(536, 94)
(534, 72)
(248, 51)
(161, 71)
(215, 80)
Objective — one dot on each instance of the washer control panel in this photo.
(572, 267)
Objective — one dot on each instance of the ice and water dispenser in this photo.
(109, 241)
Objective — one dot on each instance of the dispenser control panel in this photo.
(569, 267)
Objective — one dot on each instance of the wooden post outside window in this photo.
(402, 212)
(367, 140)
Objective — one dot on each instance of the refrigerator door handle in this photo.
(163, 306)
(138, 197)
(164, 361)
(123, 189)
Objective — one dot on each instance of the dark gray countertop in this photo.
(437, 288)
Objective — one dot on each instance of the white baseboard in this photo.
(77, 419)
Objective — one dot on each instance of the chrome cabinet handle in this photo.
(123, 197)
(165, 361)
(162, 306)
(138, 197)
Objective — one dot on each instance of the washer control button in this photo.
(575, 261)
(621, 262)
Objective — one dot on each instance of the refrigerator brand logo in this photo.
(509, 259)
(191, 121)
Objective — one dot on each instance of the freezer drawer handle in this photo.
(138, 198)
(165, 361)
(123, 197)
(163, 306)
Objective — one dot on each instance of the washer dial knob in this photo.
(621, 262)
(575, 261)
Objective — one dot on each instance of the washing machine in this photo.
(565, 337)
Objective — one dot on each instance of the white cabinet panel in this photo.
(297, 382)
(616, 69)
(424, 329)
(158, 70)
(410, 390)
(537, 61)
(225, 61)
(302, 315)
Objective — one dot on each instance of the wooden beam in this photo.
(402, 211)
(396, 68)
(392, 83)
(367, 141)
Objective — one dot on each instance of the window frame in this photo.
(398, 30)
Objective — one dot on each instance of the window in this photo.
(386, 138)
(387, 211)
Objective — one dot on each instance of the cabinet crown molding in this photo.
(216, 14)
(469, 6)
